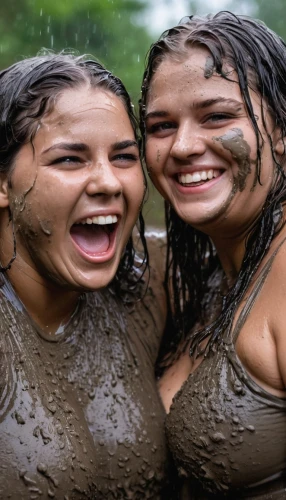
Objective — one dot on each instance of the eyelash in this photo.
(63, 159)
(126, 156)
(157, 127)
(218, 117)
(75, 159)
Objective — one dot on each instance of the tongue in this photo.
(91, 239)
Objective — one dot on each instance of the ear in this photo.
(4, 190)
(280, 147)
(279, 143)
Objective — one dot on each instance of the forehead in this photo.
(194, 74)
(93, 115)
(74, 105)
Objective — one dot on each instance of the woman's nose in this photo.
(103, 180)
(188, 142)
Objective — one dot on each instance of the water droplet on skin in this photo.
(19, 419)
(250, 428)
(219, 419)
(52, 408)
(217, 437)
(42, 468)
(204, 440)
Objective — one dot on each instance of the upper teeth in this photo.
(198, 176)
(100, 219)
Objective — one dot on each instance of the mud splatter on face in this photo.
(234, 142)
(45, 226)
(209, 67)
(19, 202)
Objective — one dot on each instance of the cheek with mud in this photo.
(234, 142)
(24, 214)
(26, 220)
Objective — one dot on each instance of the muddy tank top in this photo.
(226, 433)
(80, 417)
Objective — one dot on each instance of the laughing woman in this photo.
(213, 116)
(79, 414)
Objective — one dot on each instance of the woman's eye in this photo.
(218, 117)
(160, 127)
(128, 158)
(67, 160)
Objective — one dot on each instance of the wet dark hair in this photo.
(258, 56)
(29, 90)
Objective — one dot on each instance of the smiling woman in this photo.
(213, 117)
(78, 403)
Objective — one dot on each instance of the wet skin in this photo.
(196, 122)
(84, 163)
(190, 127)
(80, 416)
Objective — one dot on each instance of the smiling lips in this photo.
(197, 177)
(94, 236)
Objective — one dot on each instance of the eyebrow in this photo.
(124, 145)
(216, 100)
(156, 114)
(68, 146)
(197, 105)
(80, 146)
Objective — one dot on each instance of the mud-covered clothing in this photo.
(224, 430)
(80, 417)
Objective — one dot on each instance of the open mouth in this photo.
(198, 178)
(94, 236)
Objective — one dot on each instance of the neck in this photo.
(49, 306)
(230, 253)
(229, 240)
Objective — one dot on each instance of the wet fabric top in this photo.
(224, 430)
(80, 417)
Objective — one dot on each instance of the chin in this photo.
(96, 281)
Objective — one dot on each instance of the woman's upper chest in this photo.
(103, 382)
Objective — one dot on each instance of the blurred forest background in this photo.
(117, 32)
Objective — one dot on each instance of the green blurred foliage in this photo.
(272, 13)
(107, 29)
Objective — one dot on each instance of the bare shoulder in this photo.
(261, 344)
